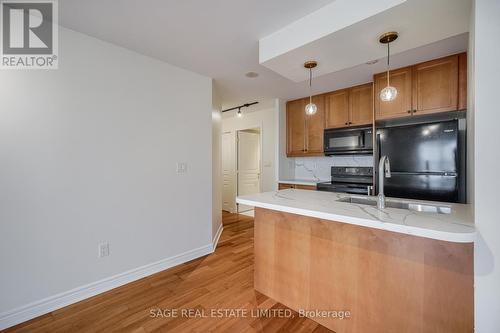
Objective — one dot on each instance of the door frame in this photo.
(233, 208)
(258, 126)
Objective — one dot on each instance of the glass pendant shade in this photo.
(311, 109)
(239, 114)
(388, 94)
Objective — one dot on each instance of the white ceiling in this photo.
(216, 38)
(326, 21)
(219, 39)
(355, 41)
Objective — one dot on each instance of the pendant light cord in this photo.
(388, 57)
(310, 85)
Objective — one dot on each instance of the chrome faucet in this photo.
(384, 171)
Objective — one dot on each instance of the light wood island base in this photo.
(389, 282)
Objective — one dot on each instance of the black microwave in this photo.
(348, 141)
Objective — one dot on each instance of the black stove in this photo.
(354, 180)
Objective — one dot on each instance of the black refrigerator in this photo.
(427, 160)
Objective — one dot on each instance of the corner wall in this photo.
(216, 166)
(470, 112)
(487, 158)
(286, 168)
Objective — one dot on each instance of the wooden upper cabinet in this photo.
(462, 81)
(315, 126)
(435, 85)
(401, 79)
(361, 105)
(438, 85)
(296, 128)
(305, 133)
(337, 105)
(349, 107)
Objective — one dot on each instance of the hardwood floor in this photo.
(222, 280)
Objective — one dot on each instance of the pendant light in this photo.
(239, 114)
(388, 93)
(311, 108)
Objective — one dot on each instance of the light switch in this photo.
(181, 167)
(103, 250)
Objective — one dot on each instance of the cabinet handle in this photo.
(305, 134)
(347, 123)
(350, 123)
(414, 111)
(409, 111)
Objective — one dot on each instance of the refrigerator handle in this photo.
(376, 157)
(378, 147)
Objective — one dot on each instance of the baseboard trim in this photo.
(49, 304)
(215, 241)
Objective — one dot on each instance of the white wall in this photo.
(266, 120)
(216, 163)
(487, 159)
(88, 154)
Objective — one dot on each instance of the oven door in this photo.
(348, 141)
(345, 188)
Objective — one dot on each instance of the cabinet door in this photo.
(401, 106)
(361, 105)
(296, 130)
(315, 126)
(435, 85)
(337, 113)
(283, 186)
(306, 187)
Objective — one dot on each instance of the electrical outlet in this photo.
(103, 250)
(181, 167)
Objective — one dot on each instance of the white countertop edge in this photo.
(387, 226)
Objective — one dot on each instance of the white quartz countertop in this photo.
(310, 182)
(458, 226)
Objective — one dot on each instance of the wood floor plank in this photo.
(221, 280)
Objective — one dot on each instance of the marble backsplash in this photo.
(319, 168)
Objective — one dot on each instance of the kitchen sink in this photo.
(417, 207)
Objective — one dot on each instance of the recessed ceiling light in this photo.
(252, 75)
(372, 62)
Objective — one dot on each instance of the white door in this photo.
(228, 172)
(248, 165)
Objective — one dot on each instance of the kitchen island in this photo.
(393, 270)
